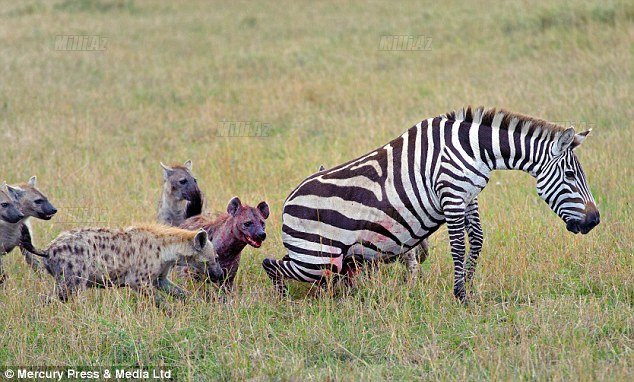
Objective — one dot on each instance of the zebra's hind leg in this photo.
(476, 237)
(276, 270)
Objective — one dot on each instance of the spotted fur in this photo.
(139, 257)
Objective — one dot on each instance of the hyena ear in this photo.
(579, 138)
(200, 240)
(3, 186)
(564, 141)
(15, 193)
(32, 181)
(188, 164)
(234, 206)
(167, 171)
(264, 209)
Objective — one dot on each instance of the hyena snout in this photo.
(214, 272)
(11, 214)
(47, 211)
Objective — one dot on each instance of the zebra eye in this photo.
(570, 175)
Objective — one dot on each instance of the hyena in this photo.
(180, 197)
(32, 203)
(230, 232)
(10, 217)
(139, 257)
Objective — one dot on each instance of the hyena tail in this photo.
(195, 205)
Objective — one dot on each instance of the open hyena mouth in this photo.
(253, 243)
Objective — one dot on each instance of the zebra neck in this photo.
(512, 149)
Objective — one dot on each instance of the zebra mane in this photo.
(487, 117)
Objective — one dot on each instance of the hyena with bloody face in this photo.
(139, 257)
(181, 197)
(10, 216)
(230, 232)
(32, 203)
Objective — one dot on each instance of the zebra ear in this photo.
(579, 138)
(564, 141)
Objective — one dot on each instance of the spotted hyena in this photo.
(10, 218)
(32, 203)
(230, 232)
(139, 257)
(180, 197)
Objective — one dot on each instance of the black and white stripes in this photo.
(388, 201)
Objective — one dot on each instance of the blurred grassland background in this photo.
(93, 126)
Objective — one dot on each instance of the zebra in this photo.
(412, 259)
(389, 200)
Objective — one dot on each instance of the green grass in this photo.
(94, 125)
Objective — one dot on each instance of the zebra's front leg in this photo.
(476, 237)
(455, 217)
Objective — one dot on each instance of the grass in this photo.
(94, 125)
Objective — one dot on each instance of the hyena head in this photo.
(205, 253)
(562, 183)
(180, 182)
(32, 202)
(8, 204)
(247, 223)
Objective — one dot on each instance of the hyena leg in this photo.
(25, 238)
(416, 256)
(476, 237)
(170, 288)
(66, 288)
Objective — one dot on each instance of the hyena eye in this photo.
(183, 181)
(39, 201)
(4, 204)
(248, 224)
(570, 175)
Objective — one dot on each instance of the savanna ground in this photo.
(93, 125)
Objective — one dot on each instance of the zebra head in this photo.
(562, 184)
